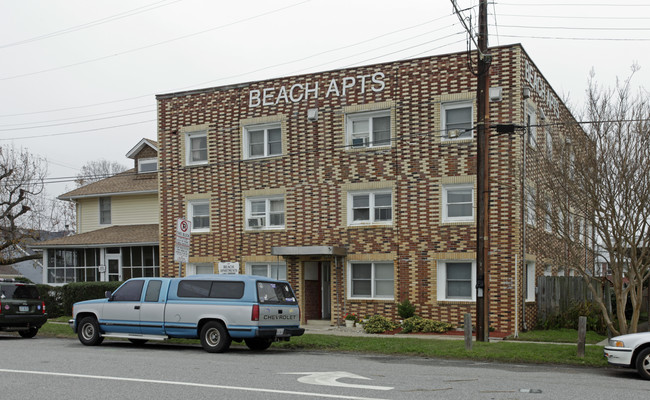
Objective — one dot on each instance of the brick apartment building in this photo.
(359, 185)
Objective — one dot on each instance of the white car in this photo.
(632, 351)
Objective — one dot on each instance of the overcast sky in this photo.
(78, 78)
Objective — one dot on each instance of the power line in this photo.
(573, 17)
(574, 28)
(75, 132)
(69, 118)
(576, 38)
(90, 24)
(75, 122)
(136, 49)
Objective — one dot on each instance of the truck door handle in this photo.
(136, 307)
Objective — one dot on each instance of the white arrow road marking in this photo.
(330, 379)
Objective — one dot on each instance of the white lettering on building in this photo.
(298, 92)
(537, 84)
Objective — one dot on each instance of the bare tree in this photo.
(96, 170)
(21, 190)
(597, 196)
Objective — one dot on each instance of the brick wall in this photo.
(316, 170)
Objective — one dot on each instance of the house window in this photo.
(457, 121)
(147, 165)
(531, 126)
(371, 280)
(548, 270)
(370, 208)
(196, 148)
(549, 143)
(199, 268)
(269, 270)
(458, 203)
(530, 207)
(265, 212)
(198, 211)
(105, 210)
(529, 289)
(368, 129)
(456, 281)
(262, 141)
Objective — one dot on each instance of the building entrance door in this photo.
(317, 290)
(113, 261)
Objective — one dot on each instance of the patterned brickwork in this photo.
(316, 170)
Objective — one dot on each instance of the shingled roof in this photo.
(127, 182)
(118, 235)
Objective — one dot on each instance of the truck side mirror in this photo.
(108, 294)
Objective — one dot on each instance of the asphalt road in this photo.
(49, 368)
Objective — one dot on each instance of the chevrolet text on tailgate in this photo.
(216, 309)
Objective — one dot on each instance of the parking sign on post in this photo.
(182, 244)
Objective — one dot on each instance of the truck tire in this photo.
(88, 332)
(643, 363)
(215, 337)
(30, 333)
(258, 344)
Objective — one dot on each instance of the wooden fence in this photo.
(557, 294)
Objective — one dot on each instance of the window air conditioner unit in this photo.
(359, 142)
(256, 222)
(453, 133)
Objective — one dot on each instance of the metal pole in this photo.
(483, 187)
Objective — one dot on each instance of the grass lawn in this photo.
(509, 351)
(558, 336)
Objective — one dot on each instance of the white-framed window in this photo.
(549, 143)
(371, 280)
(529, 286)
(457, 280)
(374, 207)
(104, 210)
(196, 147)
(548, 270)
(198, 212)
(263, 140)
(273, 270)
(560, 271)
(458, 203)
(147, 165)
(548, 216)
(531, 127)
(368, 129)
(199, 269)
(531, 215)
(265, 212)
(457, 120)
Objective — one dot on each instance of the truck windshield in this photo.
(275, 293)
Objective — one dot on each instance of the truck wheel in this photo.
(215, 337)
(643, 363)
(258, 344)
(88, 332)
(30, 333)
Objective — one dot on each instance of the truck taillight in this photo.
(0, 307)
(43, 305)
(255, 314)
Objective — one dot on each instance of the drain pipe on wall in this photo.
(524, 222)
(516, 294)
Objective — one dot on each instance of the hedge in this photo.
(80, 291)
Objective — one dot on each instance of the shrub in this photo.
(419, 324)
(79, 291)
(569, 318)
(405, 309)
(379, 324)
(52, 296)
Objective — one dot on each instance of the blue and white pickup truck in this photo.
(216, 309)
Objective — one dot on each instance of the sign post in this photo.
(182, 244)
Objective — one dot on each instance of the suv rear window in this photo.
(275, 293)
(211, 289)
(18, 291)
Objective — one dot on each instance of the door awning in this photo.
(308, 251)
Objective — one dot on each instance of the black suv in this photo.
(21, 308)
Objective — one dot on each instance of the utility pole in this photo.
(483, 186)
